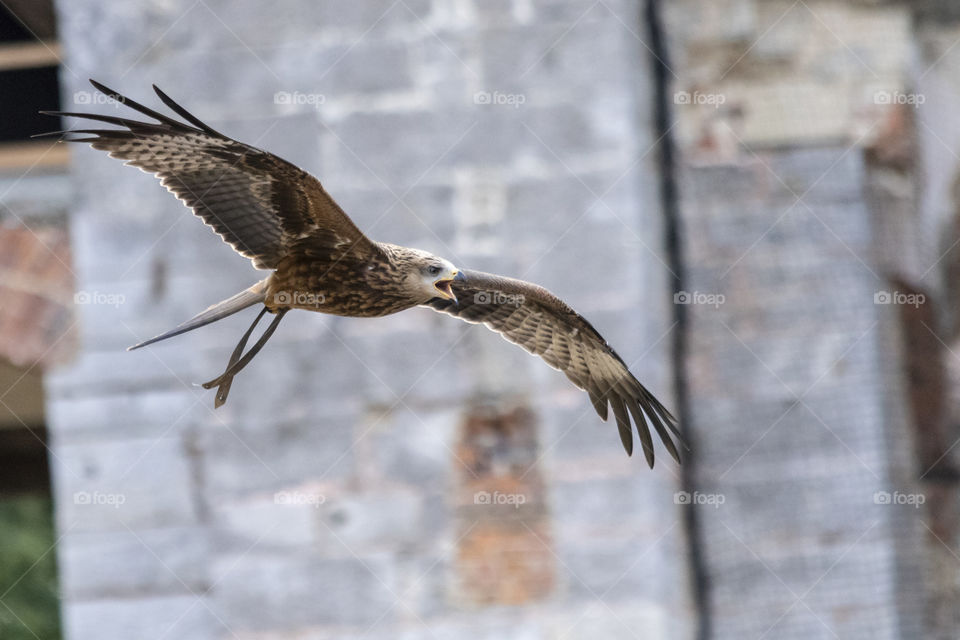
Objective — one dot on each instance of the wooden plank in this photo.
(26, 55)
(33, 153)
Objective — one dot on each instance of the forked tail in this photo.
(246, 298)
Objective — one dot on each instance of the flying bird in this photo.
(284, 221)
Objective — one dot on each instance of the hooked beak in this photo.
(443, 286)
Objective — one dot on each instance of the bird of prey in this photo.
(282, 219)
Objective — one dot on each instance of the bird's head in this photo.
(430, 276)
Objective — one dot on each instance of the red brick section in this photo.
(926, 363)
(504, 553)
(36, 296)
(894, 145)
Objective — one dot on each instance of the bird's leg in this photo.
(243, 341)
(236, 363)
(225, 384)
(237, 366)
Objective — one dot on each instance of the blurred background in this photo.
(755, 202)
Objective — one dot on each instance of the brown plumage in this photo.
(283, 220)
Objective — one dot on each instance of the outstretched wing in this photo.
(544, 325)
(258, 203)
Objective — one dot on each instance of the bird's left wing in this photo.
(257, 202)
(544, 325)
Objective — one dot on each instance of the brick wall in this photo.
(798, 183)
(333, 496)
(415, 477)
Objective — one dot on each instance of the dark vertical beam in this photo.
(23, 461)
(673, 231)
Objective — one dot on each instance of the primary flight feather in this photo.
(282, 219)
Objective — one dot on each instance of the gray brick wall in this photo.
(321, 500)
(797, 393)
(333, 496)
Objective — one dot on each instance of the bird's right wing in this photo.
(257, 202)
(541, 323)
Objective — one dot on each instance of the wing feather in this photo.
(257, 202)
(544, 325)
(623, 426)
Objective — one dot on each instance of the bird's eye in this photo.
(434, 270)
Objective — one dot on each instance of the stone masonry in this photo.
(413, 477)
(805, 140)
(335, 495)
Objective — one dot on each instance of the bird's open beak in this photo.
(443, 286)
